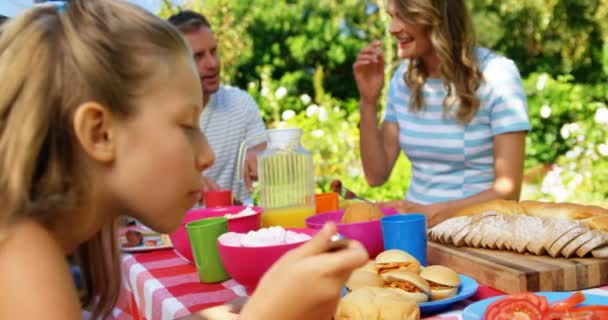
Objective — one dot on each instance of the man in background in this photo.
(229, 116)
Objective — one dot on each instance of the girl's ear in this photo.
(94, 128)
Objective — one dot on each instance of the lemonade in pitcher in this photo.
(285, 179)
(290, 217)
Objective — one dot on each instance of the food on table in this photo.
(150, 243)
(527, 305)
(376, 303)
(366, 276)
(394, 259)
(263, 237)
(444, 282)
(248, 211)
(361, 212)
(133, 238)
(595, 217)
(523, 233)
(396, 270)
(408, 284)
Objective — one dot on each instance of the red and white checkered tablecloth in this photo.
(159, 285)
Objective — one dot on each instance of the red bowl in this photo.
(247, 265)
(369, 233)
(180, 240)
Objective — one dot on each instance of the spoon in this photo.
(337, 242)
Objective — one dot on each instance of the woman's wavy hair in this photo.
(453, 38)
(52, 60)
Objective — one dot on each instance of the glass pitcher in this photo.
(285, 177)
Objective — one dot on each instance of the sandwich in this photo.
(365, 276)
(361, 212)
(444, 282)
(395, 259)
(376, 303)
(408, 284)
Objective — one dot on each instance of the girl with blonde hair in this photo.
(99, 109)
(458, 111)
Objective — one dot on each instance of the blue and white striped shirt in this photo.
(450, 160)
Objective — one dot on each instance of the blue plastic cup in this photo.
(406, 232)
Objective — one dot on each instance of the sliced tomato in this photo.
(568, 303)
(494, 308)
(571, 315)
(513, 308)
(600, 311)
(540, 301)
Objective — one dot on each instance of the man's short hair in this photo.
(188, 21)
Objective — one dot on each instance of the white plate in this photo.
(148, 235)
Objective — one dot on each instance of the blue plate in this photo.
(476, 310)
(468, 287)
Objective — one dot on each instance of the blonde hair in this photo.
(52, 61)
(453, 39)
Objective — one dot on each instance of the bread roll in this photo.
(361, 212)
(408, 284)
(444, 282)
(376, 303)
(395, 259)
(365, 276)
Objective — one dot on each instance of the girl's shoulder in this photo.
(33, 268)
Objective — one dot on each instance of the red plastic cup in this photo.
(218, 198)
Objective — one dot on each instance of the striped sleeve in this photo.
(255, 125)
(395, 96)
(508, 106)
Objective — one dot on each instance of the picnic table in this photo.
(160, 285)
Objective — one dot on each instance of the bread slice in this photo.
(458, 223)
(556, 228)
(566, 238)
(473, 232)
(598, 240)
(571, 247)
(520, 232)
(492, 230)
(601, 252)
(458, 238)
(537, 229)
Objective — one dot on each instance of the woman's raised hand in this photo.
(369, 73)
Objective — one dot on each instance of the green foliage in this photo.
(553, 36)
(569, 129)
(552, 104)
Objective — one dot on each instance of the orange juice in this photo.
(290, 217)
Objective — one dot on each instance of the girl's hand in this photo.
(369, 73)
(306, 282)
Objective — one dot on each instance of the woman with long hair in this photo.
(458, 111)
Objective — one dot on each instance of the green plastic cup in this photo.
(203, 236)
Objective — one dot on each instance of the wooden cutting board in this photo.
(512, 272)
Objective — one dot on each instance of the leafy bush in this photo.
(554, 103)
(570, 132)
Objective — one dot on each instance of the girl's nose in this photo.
(205, 156)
